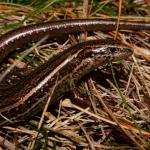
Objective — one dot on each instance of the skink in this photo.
(63, 70)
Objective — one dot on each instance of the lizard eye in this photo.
(113, 49)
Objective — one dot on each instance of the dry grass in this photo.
(118, 117)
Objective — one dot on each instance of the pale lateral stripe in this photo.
(33, 90)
